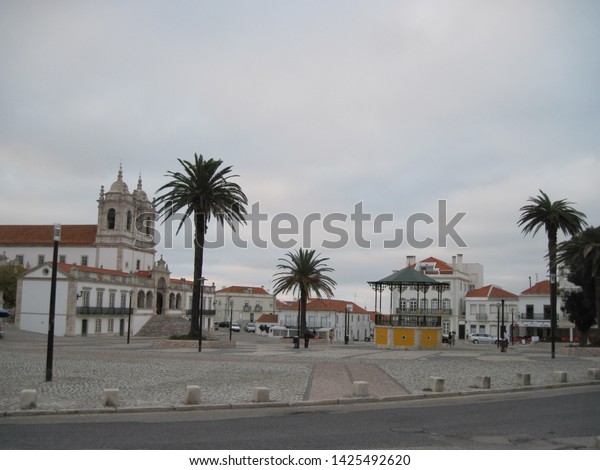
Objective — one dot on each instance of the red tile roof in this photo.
(268, 318)
(541, 288)
(492, 292)
(243, 290)
(67, 268)
(43, 235)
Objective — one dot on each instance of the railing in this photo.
(409, 320)
(205, 312)
(536, 316)
(423, 311)
(103, 311)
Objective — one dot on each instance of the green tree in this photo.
(202, 190)
(8, 283)
(552, 216)
(581, 255)
(303, 273)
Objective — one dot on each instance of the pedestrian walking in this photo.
(450, 339)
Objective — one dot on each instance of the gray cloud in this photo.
(318, 106)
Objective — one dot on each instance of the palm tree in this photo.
(552, 216)
(582, 252)
(303, 272)
(202, 190)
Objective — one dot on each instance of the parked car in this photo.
(235, 327)
(477, 338)
(223, 324)
(250, 327)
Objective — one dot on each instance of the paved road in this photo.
(150, 376)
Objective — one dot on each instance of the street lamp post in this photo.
(200, 320)
(51, 312)
(347, 324)
(230, 301)
(512, 325)
(503, 329)
(498, 324)
(129, 317)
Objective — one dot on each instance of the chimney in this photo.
(453, 261)
(410, 260)
(459, 260)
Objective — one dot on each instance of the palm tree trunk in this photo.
(552, 241)
(198, 262)
(597, 300)
(303, 301)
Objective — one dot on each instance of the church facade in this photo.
(108, 280)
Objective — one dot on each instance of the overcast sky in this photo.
(320, 107)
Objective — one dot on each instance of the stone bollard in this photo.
(524, 380)
(110, 397)
(192, 395)
(436, 384)
(260, 395)
(360, 389)
(593, 374)
(482, 381)
(28, 399)
(559, 376)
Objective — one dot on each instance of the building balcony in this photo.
(205, 312)
(103, 311)
(423, 311)
(408, 320)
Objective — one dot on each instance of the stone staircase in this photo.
(163, 326)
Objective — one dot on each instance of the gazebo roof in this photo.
(407, 277)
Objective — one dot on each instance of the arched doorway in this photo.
(160, 295)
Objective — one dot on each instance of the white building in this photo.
(323, 315)
(100, 267)
(461, 277)
(489, 308)
(243, 304)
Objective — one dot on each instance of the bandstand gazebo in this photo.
(409, 328)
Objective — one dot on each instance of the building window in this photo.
(123, 299)
(413, 305)
(149, 299)
(86, 298)
(99, 298)
(98, 328)
(402, 305)
(84, 260)
(138, 265)
(111, 299)
(111, 219)
(111, 325)
(41, 259)
(20, 260)
(547, 312)
(129, 219)
(62, 259)
(140, 299)
(529, 312)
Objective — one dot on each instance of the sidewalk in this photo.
(149, 376)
